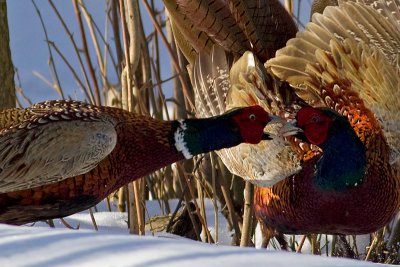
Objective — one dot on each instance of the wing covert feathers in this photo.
(51, 141)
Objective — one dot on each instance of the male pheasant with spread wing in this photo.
(341, 175)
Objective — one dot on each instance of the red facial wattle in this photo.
(315, 124)
(251, 122)
(316, 134)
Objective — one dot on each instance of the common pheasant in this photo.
(340, 79)
(346, 65)
(61, 157)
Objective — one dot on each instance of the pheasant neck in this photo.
(140, 152)
(343, 163)
(196, 136)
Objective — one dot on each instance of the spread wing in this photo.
(218, 89)
(354, 51)
(51, 141)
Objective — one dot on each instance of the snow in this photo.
(112, 245)
(34, 246)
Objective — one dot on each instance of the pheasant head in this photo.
(241, 125)
(344, 161)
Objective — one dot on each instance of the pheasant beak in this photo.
(276, 120)
(289, 129)
(279, 120)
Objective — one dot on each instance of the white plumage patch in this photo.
(180, 143)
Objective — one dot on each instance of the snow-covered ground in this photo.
(112, 245)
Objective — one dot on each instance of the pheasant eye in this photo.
(314, 119)
(252, 117)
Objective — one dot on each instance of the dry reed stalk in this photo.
(137, 189)
(289, 6)
(20, 91)
(52, 66)
(193, 196)
(247, 215)
(231, 209)
(85, 49)
(86, 89)
(70, 67)
(171, 54)
(101, 59)
(130, 27)
(200, 194)
(214, 189)
(132, 215)
(185, 184)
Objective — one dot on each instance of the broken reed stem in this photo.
(300, 247)
(178, 206)
(93, 219)
(86, 53)
(374, 244)
(333, 248)
(108, 203)
(66, 224)
(247, 215)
